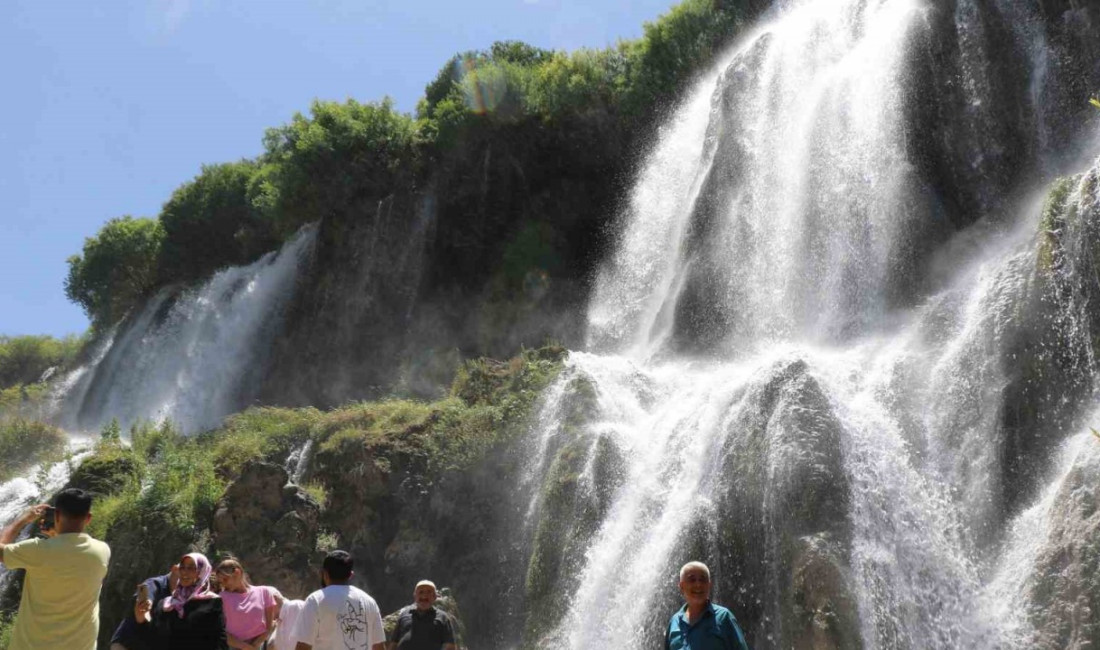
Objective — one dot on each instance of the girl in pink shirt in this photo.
(250, 611)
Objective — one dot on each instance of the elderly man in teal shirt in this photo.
(700, 624)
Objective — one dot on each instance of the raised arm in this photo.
(11, 531)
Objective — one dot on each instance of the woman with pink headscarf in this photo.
(191, 618)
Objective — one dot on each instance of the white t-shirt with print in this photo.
(340, 617)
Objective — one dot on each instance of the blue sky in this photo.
(110, 105)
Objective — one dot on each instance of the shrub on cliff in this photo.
(163, 473)
(24, 359)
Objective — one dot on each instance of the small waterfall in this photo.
(298, 462)
(191, 357)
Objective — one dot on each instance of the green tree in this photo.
(118, 267)
(210, 223)
(336, 163)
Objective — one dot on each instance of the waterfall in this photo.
(191, 357)
(831, 357)
(37, 484)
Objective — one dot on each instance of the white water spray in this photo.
(195, 357)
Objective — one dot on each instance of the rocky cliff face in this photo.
(494, 254)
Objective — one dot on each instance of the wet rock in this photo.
(577, 493)
(271, 527)
(782, 517)
(1051, 346)
(1065, 590)
(825, 614)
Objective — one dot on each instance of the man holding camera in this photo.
(60, 604)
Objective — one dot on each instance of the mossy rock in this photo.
(107, 471)
(1056, 212)
(487, 381)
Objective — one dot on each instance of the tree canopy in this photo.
(117, 268)
(338, 162)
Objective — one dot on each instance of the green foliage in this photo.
(118, 268)
(24, 400)
(633, 80)
(24, 443)
(261, 434)
(24, 359)
(7, 624)
(111, 431)
(177, 480)
(489, 402)
(327, 541)
(211, 222)
(317, 492)
(173, 480)
(340, 161)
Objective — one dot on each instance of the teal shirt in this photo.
(716, 630)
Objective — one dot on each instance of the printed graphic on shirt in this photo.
(353, 624)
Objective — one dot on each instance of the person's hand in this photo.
(141, 611)
(173, 577)
(34, 512)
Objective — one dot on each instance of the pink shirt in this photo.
(244, 612)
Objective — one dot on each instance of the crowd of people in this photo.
(197, 605)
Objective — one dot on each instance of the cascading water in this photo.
(36, 486)
(813, 393)
(193, 357)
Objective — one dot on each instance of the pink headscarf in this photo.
(198, 591)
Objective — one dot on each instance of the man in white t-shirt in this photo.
(339, 616)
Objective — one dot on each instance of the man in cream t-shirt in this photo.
(60, 604)
(339, 616)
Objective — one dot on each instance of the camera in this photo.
(47, 520)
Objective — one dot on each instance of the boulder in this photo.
(271, 527)
(1065, 587)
